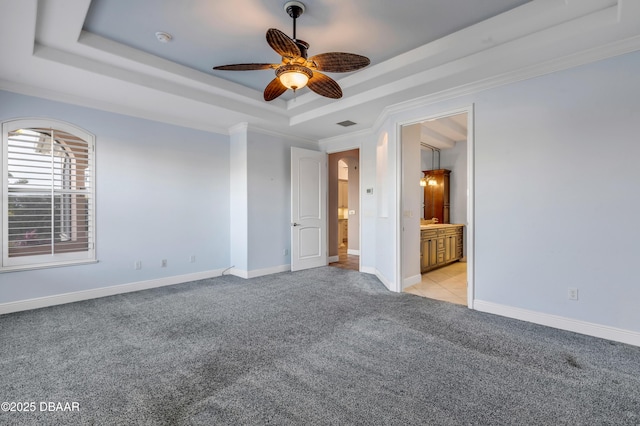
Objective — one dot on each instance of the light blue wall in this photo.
(556, 196)
(386, 245)
(269, 199)
(557, 200)
(239, 238)
(162, 193)
(260, 201)
(454, 159)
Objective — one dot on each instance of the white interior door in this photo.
(308, 209)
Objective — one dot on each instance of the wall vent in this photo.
(346, 123)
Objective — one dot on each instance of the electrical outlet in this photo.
(164, 263)
(192, 258)
(138, 265)
(573, 294)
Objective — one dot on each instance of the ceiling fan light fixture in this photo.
(294, 77)
(297, 70)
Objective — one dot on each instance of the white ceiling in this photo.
(444, 132)
(209, 33)
(103, 54)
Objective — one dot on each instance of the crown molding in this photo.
(616, 48)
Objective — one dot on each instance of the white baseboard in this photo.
(242, 273)
(355, 252)
(259, 272)
(332, 259)
(368, 270)
(388, 284)
(563, 323)
(408, 282)
(77, 296)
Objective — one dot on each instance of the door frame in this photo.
(470, 225)
(360, 217)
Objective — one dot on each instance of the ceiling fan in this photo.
(296, 70)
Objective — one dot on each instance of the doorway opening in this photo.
(436, 183)
(344, 209)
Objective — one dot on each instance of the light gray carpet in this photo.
(323, 346)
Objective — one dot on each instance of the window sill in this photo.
(22, 268)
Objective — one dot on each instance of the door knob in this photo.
(295, 224)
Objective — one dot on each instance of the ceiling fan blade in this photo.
(245, 67)
(282, 43)
(274, 89)
(324, 85)
(339, 61)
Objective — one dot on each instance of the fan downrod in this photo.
(294, 9)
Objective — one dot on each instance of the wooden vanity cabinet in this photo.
(436, 195)
(428, 250)
(440, 246)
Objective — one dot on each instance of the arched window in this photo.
(47, 193)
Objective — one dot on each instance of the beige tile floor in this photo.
(448, 283)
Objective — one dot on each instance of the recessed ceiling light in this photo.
(163, 37)
(346, 123)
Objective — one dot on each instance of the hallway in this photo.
(346, 261)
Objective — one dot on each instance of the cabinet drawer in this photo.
(440, 244)
(441, 257)
(428, 234)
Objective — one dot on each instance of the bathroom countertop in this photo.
(439, 225)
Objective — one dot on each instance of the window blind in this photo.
(48, 196)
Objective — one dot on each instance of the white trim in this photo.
(354, 252)
(35, 261)
(332, 259)
(327, 143)
(259, 272)
(388, 284)
(240, 128)
(399, 272)
(368, 270)
(239, 273)
(562, 323)
(595, 54)
(309, 143)
(408, 282)
(470, 249)
(77, 296)
(470, 111)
